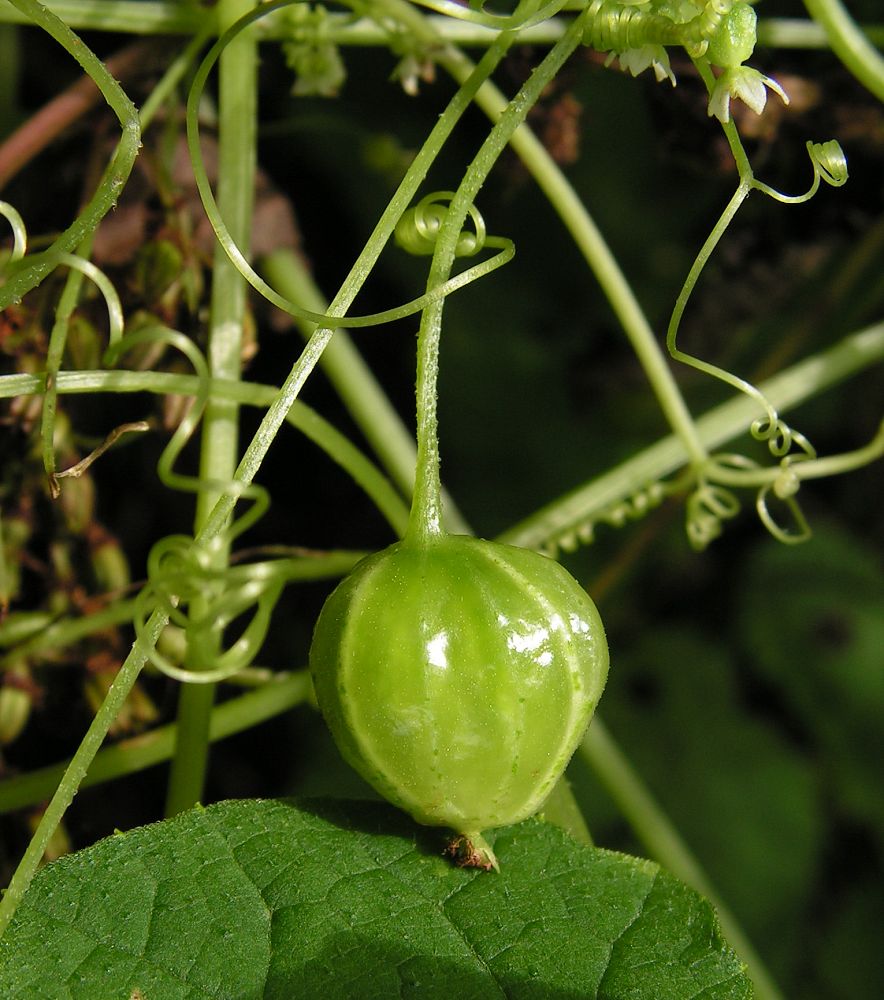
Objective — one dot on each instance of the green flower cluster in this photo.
(720, 32)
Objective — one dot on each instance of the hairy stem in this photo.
(291, 388)
(426, 521)
(356, 384)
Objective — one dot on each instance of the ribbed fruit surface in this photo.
(459, 677)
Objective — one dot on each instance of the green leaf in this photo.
(746, 801)
(271, 899)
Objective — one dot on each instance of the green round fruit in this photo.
(458, 677)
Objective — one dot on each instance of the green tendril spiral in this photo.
(180, 571)
(418, 229)
(712, 502)
(779, 436)
(829, 161)
(180, 575)
(238, 258)
(707, 508)
(829, 166)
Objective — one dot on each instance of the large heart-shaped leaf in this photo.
(352, 900)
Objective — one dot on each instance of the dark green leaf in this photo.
(269, 899)
(744, 799)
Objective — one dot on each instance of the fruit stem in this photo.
(425, 521)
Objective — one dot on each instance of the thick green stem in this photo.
(425, 523)
(237, 100)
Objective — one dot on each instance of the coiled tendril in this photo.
(779, 436)
(713, 502)
(418, 229)
(707, 507)
(735, 469)
(181, 573)
(829, 161)
(238, 258)
(201, 597)
(182, 578)
(829, 166)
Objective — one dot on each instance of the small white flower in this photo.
(411, 70)
(745, 84)
(636, 61)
